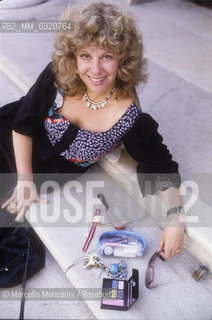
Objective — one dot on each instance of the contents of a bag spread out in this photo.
(117, 292)
(121, 243)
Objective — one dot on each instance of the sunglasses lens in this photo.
(149, 277)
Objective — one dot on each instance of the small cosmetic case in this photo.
(121, 243)
(120, 294)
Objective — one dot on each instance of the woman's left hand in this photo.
(171, 242)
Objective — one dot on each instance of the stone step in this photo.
(176, 37)
(199, 238)
(14, 4)
(179, 86)
(49, 280)
(198, 234)
(26, 9)
(8, 90)
(65, 244)
(65, 238)
(162, 23)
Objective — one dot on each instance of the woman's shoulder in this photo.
(46, 76)
(145, 123)
(144, 128)
(47, 73)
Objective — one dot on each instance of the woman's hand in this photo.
(171, 242)
(23, 195)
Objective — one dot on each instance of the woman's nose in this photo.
(96, 66)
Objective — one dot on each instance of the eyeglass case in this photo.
(121, 243)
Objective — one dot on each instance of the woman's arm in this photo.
(173, 235)
(25, 191)
(157, 173)
(22, 146)
(27, 121)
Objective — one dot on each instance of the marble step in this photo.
(189, 160)
(176, 36)
(162, 23)
(198, 238)
(65, 244)
(175, 85)
(64, 236)
(123, 169)
(49, 280)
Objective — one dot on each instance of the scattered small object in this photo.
(120, 294)
(114, 213)
(92, 260)
(101, 197)
(109, 224)
(103, 225)
(96, 220)
(121, 243)
(12, 205)
(117, 270)
(200, 273)
(114, 270)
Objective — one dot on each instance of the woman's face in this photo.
(97, 68)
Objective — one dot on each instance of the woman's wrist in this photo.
(175, 220)
(24, 177)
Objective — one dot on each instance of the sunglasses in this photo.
(149, 277)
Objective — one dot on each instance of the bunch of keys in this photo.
(114, 270)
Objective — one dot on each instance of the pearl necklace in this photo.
(96, 105)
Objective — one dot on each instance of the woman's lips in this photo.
(97, 81)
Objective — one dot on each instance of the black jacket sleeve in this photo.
(155, 168)
(33, 108)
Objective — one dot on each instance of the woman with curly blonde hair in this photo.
(83, 104)
(102, 26)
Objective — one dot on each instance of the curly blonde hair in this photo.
(106, 26)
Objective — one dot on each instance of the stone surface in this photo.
(186, 108)
(8, 90)
(198, 219)
(177, 42)
(192, 67)
(31, 46)
(175, 274)
(45, 9)
(49, 278)
(14, 4)
(176, 37)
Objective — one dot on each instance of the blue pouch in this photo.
(121, 243)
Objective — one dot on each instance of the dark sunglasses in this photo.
(149, 277)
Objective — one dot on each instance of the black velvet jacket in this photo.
(156, 169)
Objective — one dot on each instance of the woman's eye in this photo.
(84, 56)
(108, 57)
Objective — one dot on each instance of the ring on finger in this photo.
(12, 205)
(178, 251)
